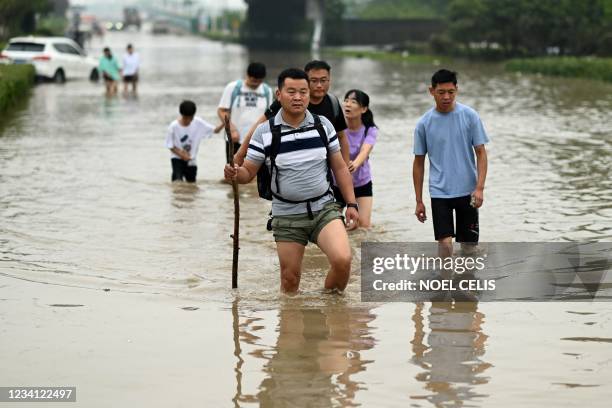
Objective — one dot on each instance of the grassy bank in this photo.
(590, 68)
(389, 56)
(15, 82)
(223, 37)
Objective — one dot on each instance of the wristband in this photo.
(353, 205)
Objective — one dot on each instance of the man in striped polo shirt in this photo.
(303, 206)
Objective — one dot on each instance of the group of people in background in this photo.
(316, 151)
(112, 72)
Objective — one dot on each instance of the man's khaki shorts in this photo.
(301, 229)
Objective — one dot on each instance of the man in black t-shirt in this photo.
(321, 103)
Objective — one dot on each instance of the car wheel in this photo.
(94, 76)
(59, 77)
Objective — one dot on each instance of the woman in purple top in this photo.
(362, 133)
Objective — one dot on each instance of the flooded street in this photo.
(116, 281)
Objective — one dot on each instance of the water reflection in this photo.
(110, 106)
(183, 193)
(313, 360)
(451, 354)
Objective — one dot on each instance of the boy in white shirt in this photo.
(183, 139)
(131, 64)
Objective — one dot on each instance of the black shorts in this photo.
(130, 78)
(107, 77)
(361, 191)
(466, 215)
(181, 171)
(227, 150)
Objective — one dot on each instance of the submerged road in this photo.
(87, 203)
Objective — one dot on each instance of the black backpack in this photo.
(264, 175)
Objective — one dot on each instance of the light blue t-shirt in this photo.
(449, 139)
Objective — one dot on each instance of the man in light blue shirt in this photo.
(451, 134)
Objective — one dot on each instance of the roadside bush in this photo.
(15, 82)
(580, 67)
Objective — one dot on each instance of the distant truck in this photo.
(131, 17)
(160, 26)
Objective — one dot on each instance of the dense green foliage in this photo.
(15, 81)
(591, 68)
(19, 16)
(334, 10)
(564, 34)
(506, 28)
(527, 27)
(51, 26)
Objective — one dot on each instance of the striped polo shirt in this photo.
(301, 162)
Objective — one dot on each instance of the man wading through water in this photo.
(451, 134)
(303, 206)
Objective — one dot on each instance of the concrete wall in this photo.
(272, 24)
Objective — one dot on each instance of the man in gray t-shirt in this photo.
(303, 206)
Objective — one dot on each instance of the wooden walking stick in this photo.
(235, 235)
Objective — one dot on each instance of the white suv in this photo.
(57, 58)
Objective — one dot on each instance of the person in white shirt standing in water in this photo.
(183, 139)
(245, 100)
(131, 64)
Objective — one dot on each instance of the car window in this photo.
(63, 48)
(59, 48)
(71, 49)
(25, 46)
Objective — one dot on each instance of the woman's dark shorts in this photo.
(361, 191)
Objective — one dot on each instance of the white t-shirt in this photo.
(248, 106)
(188, 138)
(131, 63)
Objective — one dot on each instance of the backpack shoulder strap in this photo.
(335, 104)
(318, 125)
(323, 135)
(236, 93)
(275, 143)
(274, 149)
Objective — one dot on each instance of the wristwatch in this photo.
(353, 205)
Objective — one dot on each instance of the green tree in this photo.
(465, 21)
(525, 27)
(19, 16)
(334, 10)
